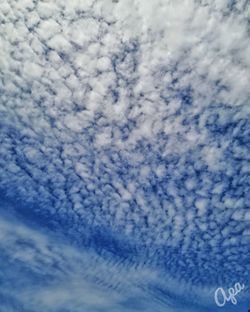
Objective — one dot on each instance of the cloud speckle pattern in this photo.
(124, 129)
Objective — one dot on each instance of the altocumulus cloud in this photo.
(125, 143)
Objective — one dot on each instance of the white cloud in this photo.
(131, 115)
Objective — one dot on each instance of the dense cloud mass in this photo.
(125, 130)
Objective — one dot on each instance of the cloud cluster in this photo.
(125, 126)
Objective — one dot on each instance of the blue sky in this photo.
(124, 163)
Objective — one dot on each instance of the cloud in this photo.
(46, 273)
(125, 128)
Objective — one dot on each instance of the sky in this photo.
(124, 155)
